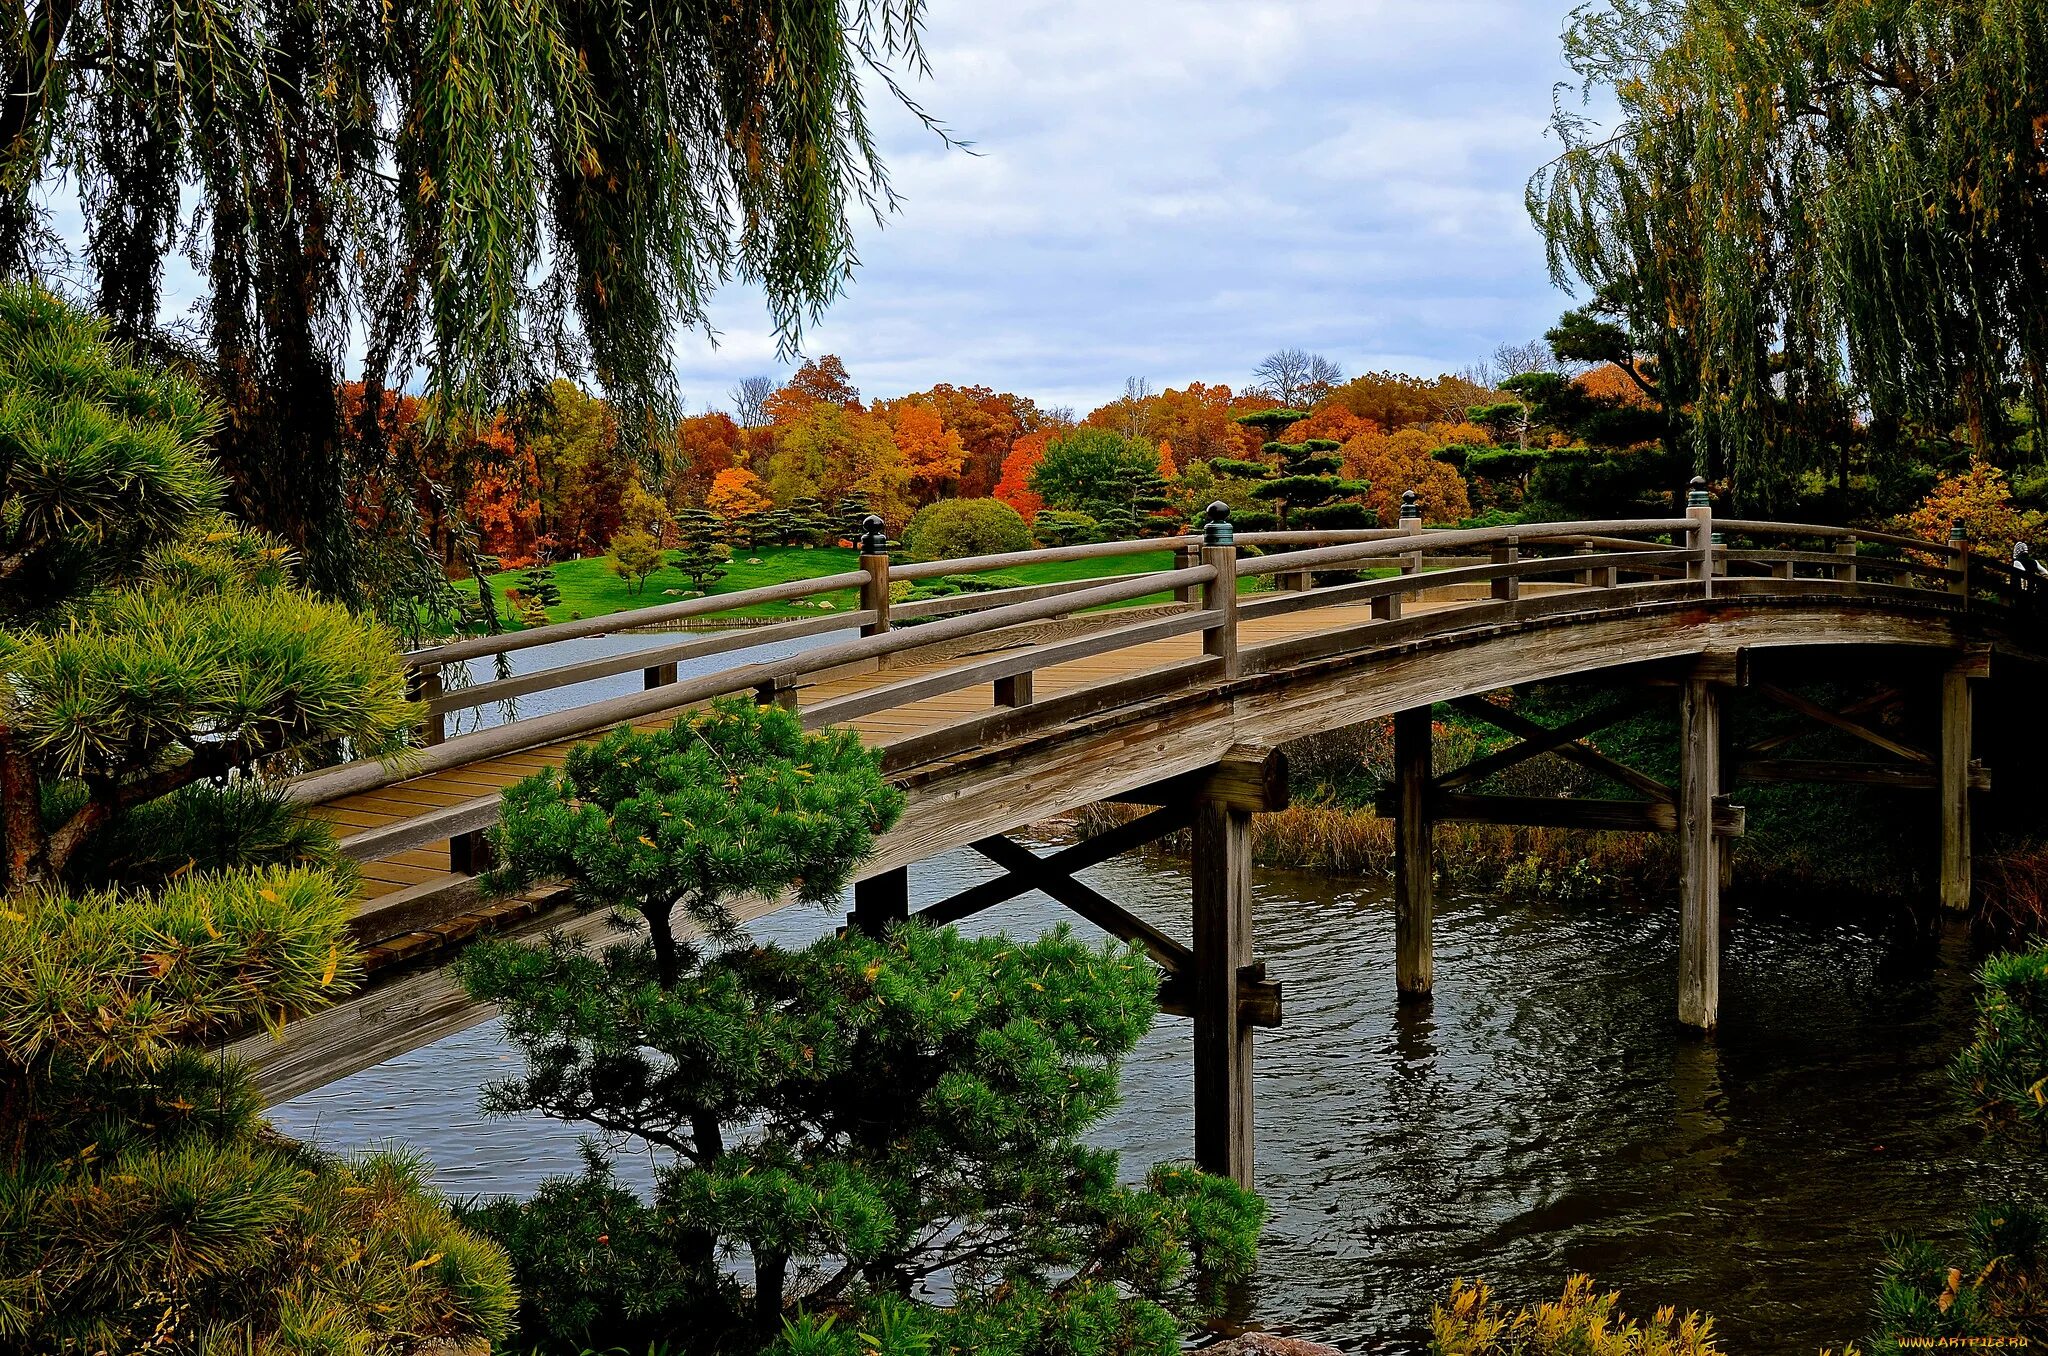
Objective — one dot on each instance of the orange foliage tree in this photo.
(1014, 488)
(819, 381)
(932, 454)
(705, 445)
(1399, 461)
(987, 422)
(1980, 499)
(736, 493)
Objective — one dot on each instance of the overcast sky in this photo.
(1172, 188)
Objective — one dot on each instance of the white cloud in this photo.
(1171, 188)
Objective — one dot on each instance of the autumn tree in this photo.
(931, 454)
(573, 438)
(988, 423)
(829, 451)
(1393, 463)
(398, 185)
(705, 444)
(1302, 481)
(1014, 486)
(818, 381)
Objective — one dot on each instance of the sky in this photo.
(1171, 189)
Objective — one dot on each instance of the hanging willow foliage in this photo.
(1808, 209)
(485, 192)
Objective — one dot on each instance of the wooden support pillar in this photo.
(1414, 885)
(469, 854)
(1014, 690)
(1186, 558)
(1846, 549)
(661, 675)
(879, 901)
(1222, 867)
(773, 693)
(1699, 862)
(1953, 775)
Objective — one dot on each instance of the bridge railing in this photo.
(1388, 570)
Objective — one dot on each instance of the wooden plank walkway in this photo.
(429, 863)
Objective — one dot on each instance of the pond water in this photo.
(1542, 1116)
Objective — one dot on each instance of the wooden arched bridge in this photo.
(1172, 690)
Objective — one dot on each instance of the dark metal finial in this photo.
(874, 535)
(1218, 531)
(1698, 498)
(1410, 508)
(1956, 532)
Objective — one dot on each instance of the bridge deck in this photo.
(428, 865)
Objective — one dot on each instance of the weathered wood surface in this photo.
(1032, 728)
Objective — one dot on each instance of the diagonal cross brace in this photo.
(1579, 753)
(1063, 863)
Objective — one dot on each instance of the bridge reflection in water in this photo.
(1172, 690)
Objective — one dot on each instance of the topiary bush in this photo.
(955, 528)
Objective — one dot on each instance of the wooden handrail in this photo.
(1435, 539)
(478, 647)
(369, 773)
(1052, 555)
(945, 620)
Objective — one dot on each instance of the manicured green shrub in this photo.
(952, 529)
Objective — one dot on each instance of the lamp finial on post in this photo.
(874, 540)
(1218, 530)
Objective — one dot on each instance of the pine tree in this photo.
(855, 1116)
(853, 513)
(811, 524)
(701, 552)
(1303, 482)
(147, 1205)
(154, 646)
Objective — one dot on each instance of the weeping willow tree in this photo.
(1817, 220)
(468, 194)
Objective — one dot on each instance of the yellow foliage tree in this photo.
(1583, 1322)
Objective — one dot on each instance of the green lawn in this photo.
(590, 589)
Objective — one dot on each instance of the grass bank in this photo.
(590, 588)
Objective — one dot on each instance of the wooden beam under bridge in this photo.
(1215, 981)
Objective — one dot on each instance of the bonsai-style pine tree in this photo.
(1303, 483)
(852, 514)
(701, 552)
(811, 524)
(154, 647)
(857, 1118)
(144, 1205)
(538, 590)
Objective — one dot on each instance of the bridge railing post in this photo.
(1699, 506)
(1959, 561)
(1388, 606)
(874, 560)
(1509, 587)
(1219, 549)
(424, 684)
(1186, 558)
(1846, 571)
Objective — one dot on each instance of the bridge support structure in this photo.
(1696, 809)
(1215, 981)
